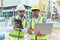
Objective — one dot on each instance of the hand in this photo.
(16, 24)
(38, 33)
(30, 30)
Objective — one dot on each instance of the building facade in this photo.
(9, 8)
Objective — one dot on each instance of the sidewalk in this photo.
(55, 35)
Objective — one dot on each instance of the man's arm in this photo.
(9, 25)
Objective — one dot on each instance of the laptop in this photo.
(44, 29)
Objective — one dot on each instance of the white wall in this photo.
(29, 2)
(32, 2)
(7, 3)
(0, 3)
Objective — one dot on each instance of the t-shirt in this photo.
(36, 20)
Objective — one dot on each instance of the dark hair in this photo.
(35, 10)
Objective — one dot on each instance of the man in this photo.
(14, 33)
(36, 19)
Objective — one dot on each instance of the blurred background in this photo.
(50, 9)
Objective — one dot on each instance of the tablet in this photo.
(44, 29)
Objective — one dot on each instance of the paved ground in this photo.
(54, 36)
